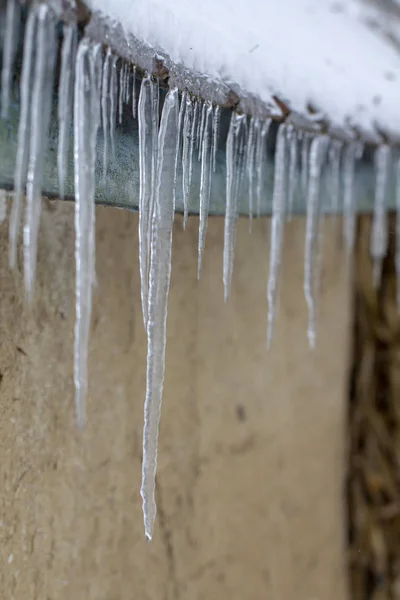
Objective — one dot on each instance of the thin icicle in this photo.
(352, 152)
(105, 110)
(233, 160)
(178, 157)
(113, 102)
(305, 150)
(205, 184)
(128, 84)
(293, 144)
(250, 158)
(40, 119)
(201, 130)
(134, 93)
(65, 99)
(261, 154)
(186, 162)
(86, 125)
(160, 272)
(121, 93)
(318, 151)
(379, 233)
(335, 153)
(277, 229)
(397, 259)
(147, 164)
(24, 131)
(192, 146)
(11, 37)
(215, 140)
(199, 126)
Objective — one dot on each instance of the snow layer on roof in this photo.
(307, 52)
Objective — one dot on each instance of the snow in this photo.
(306, 52)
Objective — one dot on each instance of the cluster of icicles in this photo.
(92, 95)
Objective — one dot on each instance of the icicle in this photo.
(128, 84)
(199, 126)
(205, 184)
(40, 118)
(379, 233)
(192, 145)
(105, 112)
(201, 131)
(24, 130)
(397, 259)
(293, 142)
(261, 153)
(11, 35)
(179, 141)
(186, 161)
(318, 151)
(250, 157)
(134, 93)
(160, 271)
(121, 93)
(305, 149)
(233, 159)
(352, 152)
(65, 98)
(113, 103)
(277, 228)
(86, 125)
(335, 153)
(147, 165)
(215, 140)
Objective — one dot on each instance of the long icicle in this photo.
(86, 125)
(397, 254)
(215, 141)
(293, 143)
(65, 99)
(24, 129)
(187, 143)
(113, 102)
(179, 143)
(233, 164)
(250, 158)
(105, 110)
(318, 150)
(146, 166)
(277, 229)
(261, 154)
(379, 233)
(134, 93)
(352, 152)
(205, 184)
(40, 119)
(11, 35)
(192, 146)
(160, 272)
(335, 154)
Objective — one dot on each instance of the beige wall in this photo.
(251, 448)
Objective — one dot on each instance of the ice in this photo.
(261, 155)
(397, 256)
(233, 169)
(335, 154)
(40, 117)
(318, 150)
(201, 129)
(147, 165)
(305, 149)
(352, 152)
(65, 98)
(192, 146)
(186, 156)
(24, 130)
(215, 140)
(160, 271)
(113, 102)
(86, 125)
(121, 93)
(11, 38)
(293, 143)
(250, 157)
(105, 110)
(379, 234)
(134, 93)
(205, 183)
(179, 144)
(277, 228)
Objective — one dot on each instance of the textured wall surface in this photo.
(252, 442)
